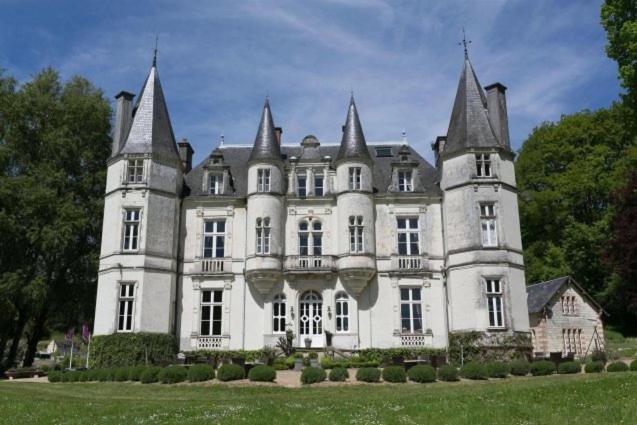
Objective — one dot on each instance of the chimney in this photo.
(497, 106)
(123, 119)
(185, 154)
(279, 132)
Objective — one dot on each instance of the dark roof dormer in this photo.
(405, 175)
(266, 145)
(310, 149)
(217, 176)
(353, 145)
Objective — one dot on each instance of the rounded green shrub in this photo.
(135, 373)
(290, 362)
(368, 374)
(313, 355)
(448, 373)
(121, 374)
(394, 374)
(473, 370)
(262, 373)
(497, 369)
(569, 367)
(520, 367)
(281, 364)
(422, 373)
(633, 366)
(542, 368)
(594, 367)
(230, 372)
(172, 375)
(55, 376)
(339, 374)
(149, 375)
(311, 375)
(201, 372)
(617, 367)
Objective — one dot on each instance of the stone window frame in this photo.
(411, 302)
(484, 165)
(126, 222)
(279, 317)
(356, 231)
(341, 299)
(215, 233)
(408, 230)
(501, 294)
(213, 305)
(264, 180)
(126, 298)
(354, 178)
(263, 236)
(406, 187)
(488, 213)
(212, 285)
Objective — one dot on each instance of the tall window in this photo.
(135, 171)
(318, 185)
(131, 229)
(342, 312)
(483, 165)
(310, 238)
(355, 233)
(126, 302)
(263, 235)
(488, 224)
(211, 307)
(215, 184)
(214, 239)
(572, 341)
(301, 182)
(263, 180)
(278, 314)
(405, 181)
(408, 236)
(494, 303)
(355, 178)
(568, 305)
(410, 310)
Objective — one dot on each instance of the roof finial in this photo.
(464, 42)
(155, 50)
(221, 140)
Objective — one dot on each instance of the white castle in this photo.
(352, 245)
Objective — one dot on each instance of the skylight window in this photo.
(383, 151)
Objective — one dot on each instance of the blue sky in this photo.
(218, 60)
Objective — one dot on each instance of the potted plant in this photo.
(313, 357)
(308, 342)
(298, 361)
(328, 338)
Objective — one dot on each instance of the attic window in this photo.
(383, 151)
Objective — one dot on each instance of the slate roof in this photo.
(266, 146)
(237, 157)
(151, 131)
(540, 294)
(470, 126)
(353, 144)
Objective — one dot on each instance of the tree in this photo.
(53, 151)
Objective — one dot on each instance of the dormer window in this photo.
(483, 165)
(355, 178)
(263, 180)
(405, 181)
(135, 171)
(301, 181)
(215, 186)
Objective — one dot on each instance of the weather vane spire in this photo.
(155, 50)
(464, 43)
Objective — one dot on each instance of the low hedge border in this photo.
(617, 367)
(262, 373)
(422, 374)
(394, 374)
(312, 375)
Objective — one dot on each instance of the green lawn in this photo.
(579, 399)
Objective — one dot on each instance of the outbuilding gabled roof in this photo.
(540, 294)
(353, 146)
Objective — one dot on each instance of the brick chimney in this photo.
(497, 106)
(185, 154)
(123, 119)
(279, 132)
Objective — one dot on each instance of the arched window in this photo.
(310, 238)
(342, 312)
(263, 235)
(278, 314)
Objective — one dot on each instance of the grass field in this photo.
(581, 399)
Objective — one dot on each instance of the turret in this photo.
(265, 247)
(355, 204)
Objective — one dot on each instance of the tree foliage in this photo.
(54, 142)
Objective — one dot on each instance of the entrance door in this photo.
(311, 319)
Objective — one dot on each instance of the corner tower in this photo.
(355, 205)
(265, 242)
(138, 259)
(483, 249)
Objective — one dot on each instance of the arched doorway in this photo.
(311, 318)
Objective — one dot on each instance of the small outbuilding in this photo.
(566, 322)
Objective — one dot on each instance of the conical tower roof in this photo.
(266, 146)
(151, 131)
(470, 126)
(353, 146)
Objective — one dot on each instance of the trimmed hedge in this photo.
(262, 373)
(617, 367)
(594, 367)
(520, 368)
(394, 374)
(121, 374)
(230, 372)
(569, 367)
(172, 375)
(497, 369)
(473, 370)
(201, 372)
(422, 373)
(633, 366)
(448, 373)
(339, 374)
(542, 368)
(55, 376)
(149, 375)
(131, 349)
(355, 362)
(135, 373)
(311, 375)
(368, 374)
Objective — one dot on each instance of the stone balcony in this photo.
(408, 263)
(215, 265)
(309, 264)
